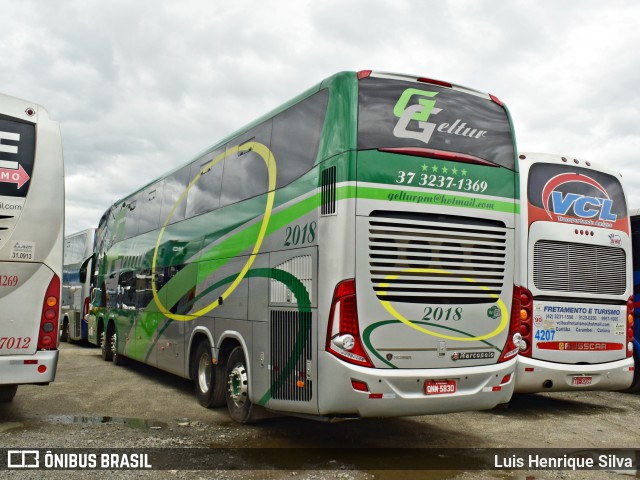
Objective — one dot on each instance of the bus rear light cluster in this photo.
(514, 339)
(48, 337)
(343, 333)
(630, 307)
(524, 300)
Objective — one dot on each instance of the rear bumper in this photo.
(400, 392)
(534, 376)
(41, 368)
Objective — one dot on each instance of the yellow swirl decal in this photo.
(270, 162)
(504, 321)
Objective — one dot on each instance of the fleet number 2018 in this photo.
(298, 235)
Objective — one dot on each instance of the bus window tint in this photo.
(130, 205)
(296, 137)
(204, 195)
(456, 121)
(245, 173)
(543, 173)
(148, 208)
(173, 188)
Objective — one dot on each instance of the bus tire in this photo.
(7, 392)
(237, 388)
(635, 385)
(105, 345)
(64, 335)
(116, 358)
(208, 381)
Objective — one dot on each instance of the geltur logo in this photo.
(575, 204)
(421, 112)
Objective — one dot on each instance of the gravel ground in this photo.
(96, 405)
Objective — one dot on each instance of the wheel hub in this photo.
(238, 385)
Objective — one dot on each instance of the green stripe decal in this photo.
(366, 337)
(304, 309)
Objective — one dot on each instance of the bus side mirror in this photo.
(83, 269)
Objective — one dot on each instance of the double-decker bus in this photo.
(634, 216)
(78, 252)
(31, 233)
(347, 255)
(575, 272)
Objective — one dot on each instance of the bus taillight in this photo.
(47, 339)
(343, 333)
(630, 307)
(525, 299)
(514, 339)
(85, 310)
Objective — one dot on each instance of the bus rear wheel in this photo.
(7, 392)
(208, 381)
(116, 357)
(237, 392)
(64, 335)
(105, 345)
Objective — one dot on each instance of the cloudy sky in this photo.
(140, 86)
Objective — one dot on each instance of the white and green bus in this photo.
(347, 255)
(576, 277)
(31, 233)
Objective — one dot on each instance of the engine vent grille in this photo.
(328, 191)
(436, 259)
(291, 355)
(579, 268)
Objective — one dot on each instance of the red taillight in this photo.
(48, 337)
(525, 315)
(435, 82)
(511, 348)
(343, 333)
(630, 307)
(495, 99)
(85, 310)
(363, 74)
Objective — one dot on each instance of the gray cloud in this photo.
(141, 87)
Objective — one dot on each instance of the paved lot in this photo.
(96, 405)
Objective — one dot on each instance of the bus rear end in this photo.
(577, 303)
(31, 232)
(424, 322)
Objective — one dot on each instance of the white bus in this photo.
(576, 279)
(348, 255)
(78, 251)
(31, 235)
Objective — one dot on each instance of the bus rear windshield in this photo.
(394, 113)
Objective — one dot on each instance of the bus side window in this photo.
(296, 137)
(148, 208)
(204, 195)
(245, 173)
(173, 188)
(129, 207)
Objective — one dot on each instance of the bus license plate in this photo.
(580, 380)
(439, 387)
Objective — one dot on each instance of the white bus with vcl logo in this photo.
(348, 255)
(31, 232)
(575, 275)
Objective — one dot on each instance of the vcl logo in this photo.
(584, 206)
(425, 108)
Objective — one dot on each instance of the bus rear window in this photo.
(394, 113)
(569, 191)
